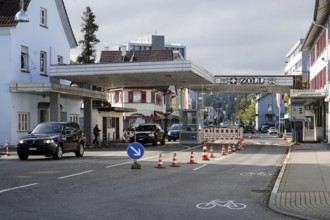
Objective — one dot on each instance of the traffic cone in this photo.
(229, 149)
(160, 162)
(174, 163)
(211, 153)
(192, 160)
(284, 136)
(233, 148)
(204, 155)
(238, 146)
(223, 152)
(6, 146)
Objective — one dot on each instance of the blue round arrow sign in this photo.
(135, 150)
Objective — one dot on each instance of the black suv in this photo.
(52, 139)
(148, 133)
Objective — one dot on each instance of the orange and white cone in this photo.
(211, 153)
(229, 149)
(175, 162)
(160, 162)
(233, 149)
(6, 146)
(223, 152)
(192, 160)
(204, 155)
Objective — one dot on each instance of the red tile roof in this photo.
(8, 10)
(136, 56)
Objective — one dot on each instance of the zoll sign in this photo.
(245, 80)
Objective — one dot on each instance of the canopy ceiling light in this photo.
(21, 16)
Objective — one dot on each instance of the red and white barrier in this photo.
(214, 134)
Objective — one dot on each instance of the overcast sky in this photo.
(221, 36)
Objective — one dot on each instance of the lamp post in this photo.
(21, 16)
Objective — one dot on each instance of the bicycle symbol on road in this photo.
(230, 204)
(255, 174)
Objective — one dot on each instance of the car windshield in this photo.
(175, 127)
(47, 128)
(146, 128)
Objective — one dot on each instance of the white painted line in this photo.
(118, 164)
(197, 168)
(220, 158)
(76, 174)
(18, 187)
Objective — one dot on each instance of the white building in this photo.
(28, 94)
(314, 104)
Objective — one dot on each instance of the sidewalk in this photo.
(302, 188)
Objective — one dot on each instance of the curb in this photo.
(272, 199)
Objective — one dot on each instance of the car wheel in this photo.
(169, 140)
(80, 151)
(59, 153)
(23, 156)
(162, 142)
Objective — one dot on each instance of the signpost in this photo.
(135, 151)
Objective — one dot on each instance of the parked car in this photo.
(148, 133)
(52, 139)
(264, 128)
(248, 129)
(174, 132)
(272, 130)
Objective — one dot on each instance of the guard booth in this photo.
(191, 127)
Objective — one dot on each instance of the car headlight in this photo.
(49, 141)
(21, 141)
(169, 133)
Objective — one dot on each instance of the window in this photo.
(74, 118)
(270, 107)
(59, 60)
(43, 17)
(24, 59)
(117, 97)
(43, 58)
(137, 96)
(23, 121)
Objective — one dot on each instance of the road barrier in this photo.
(216, 134)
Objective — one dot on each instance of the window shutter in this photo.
(144, 96)
(130, 96)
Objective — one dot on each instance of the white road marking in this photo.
(220, 158)
(76, 174)
(197, 168)
(18, 187)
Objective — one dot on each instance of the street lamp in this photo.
(21, 16)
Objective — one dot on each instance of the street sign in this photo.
(135, 150)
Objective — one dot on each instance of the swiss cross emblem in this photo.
(233, 80)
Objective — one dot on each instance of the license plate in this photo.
(32, 148)
(140, 139)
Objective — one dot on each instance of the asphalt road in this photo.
(102, 185)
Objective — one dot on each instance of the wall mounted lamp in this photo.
(21, 16)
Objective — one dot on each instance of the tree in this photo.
(88, 28)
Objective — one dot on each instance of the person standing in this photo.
(96, 131)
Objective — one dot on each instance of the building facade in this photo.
(315, 100)
(29, 95)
